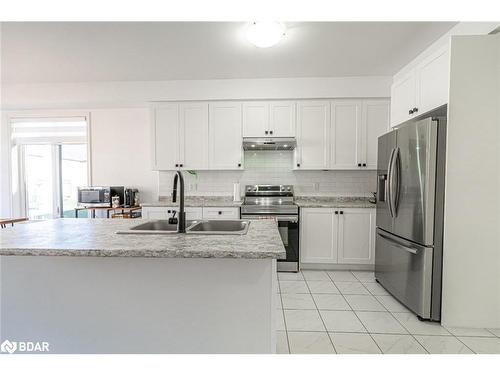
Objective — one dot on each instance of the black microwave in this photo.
(94, 196)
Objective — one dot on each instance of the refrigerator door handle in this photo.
(397, 185)
(408, 248)
(389, 180)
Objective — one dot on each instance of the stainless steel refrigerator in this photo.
(408, 248)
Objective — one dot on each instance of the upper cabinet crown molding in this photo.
(421, 89)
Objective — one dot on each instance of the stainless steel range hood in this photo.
(277, 144)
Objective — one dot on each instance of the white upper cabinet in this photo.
(225, 135)
(331, 134)
(282, 118)
(433, 81)
(180, 136)
(255, 119)
(193, 151)
(403, 99)
(375, 119)
(313, 133)
(356, 234)
(422, 89)
(269, 119)
(345, 134)
(165, 135)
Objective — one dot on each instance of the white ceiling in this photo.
(109, 51)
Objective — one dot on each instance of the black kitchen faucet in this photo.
(181, 227)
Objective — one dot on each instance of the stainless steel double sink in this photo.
(192, 227)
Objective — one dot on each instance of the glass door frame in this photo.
(15, 160)
(57, 180)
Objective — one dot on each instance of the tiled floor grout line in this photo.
(283, 316)
(375, 296)
(390, 312)
(284, 320)
(319, 313)
(458, 338)
(379, 348)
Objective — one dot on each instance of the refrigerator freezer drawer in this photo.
(405, 270)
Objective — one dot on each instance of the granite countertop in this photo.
(195, 201)
(98, 237)
(339, 202)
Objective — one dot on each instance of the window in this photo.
(52, 159)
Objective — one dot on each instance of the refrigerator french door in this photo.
(408, 247)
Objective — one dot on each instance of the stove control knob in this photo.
(288, 188)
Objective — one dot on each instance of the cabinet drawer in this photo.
(163, 213)
(222, 213)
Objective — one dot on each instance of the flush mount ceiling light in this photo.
(265, 34)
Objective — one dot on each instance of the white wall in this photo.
(462, 28)
(120, 141)
(126, 94)
(471, 263)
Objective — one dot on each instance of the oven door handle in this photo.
(292, 219)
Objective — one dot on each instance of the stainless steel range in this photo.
(276, 202)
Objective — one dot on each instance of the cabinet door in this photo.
(403, 98)
(345, 135)
(221, 213)
(318, 235)
(225, 141)
(282, 118)
(194, 136)
(356, 236)
(433, 81)
(155, 213)
(255, 119)
(313, 130)
(165, 136)
(375, 123)
(194, 213)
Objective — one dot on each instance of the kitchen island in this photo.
(83, 288)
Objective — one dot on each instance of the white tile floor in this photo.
(343, 312)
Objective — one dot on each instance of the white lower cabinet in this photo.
(221, 213)
(337, 235)
(356, 236)
(318, 235)
(163, 213)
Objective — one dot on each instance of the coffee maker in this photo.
(130, 195)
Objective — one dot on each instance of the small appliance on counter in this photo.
(98, 196)
(130, 197)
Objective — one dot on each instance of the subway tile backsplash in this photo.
(274, 167)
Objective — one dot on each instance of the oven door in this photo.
(288, 227)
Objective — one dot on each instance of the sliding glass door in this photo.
(40, 187)
(52, 174)
(50, 162)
